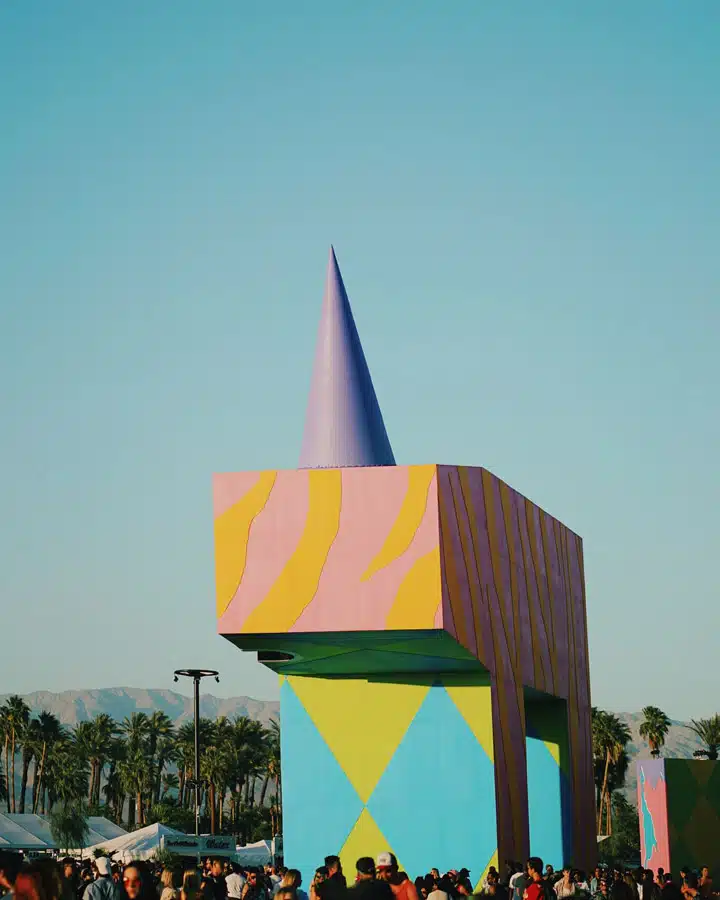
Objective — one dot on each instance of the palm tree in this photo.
(114, 790)
(5, 731)
(272, 758)
(30, 744)
(215, 767)
(610, 736)
(66, 773)
(50, 731)
(135, 776)
(654, 729)
(16, 717)
(159, 729)
(170, 782)
(101, 734)
(708, 730)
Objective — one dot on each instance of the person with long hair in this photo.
(190, 885)
(136, 882)
(169, 880)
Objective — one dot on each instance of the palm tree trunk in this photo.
(38, 790)
(23, 785)
(7, 769)
(263, 789)
(35, 782)
(211, 799)
(603, 791)
(12, 763)
(139, 809)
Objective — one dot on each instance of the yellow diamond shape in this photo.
(362, 751)
(365, 839)
(474, 703)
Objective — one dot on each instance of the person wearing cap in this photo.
(103, 888)
(366, 886)
(387, 870)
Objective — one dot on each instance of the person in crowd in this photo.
(28, 886)
(116, 874)
(633, 890)
(535, 888)
(190, 889)
(550, 874)
(705, 882)
(367, 886)
(293, 881)
(648, 889)
(235, 882)
(602, 892)
(254, 887)
(321, 875)
(438, 892)
(85, 879)
(517, 882)
(491, 873)
(137, 883)
(660, 878)
(103, 888)
(690, 888)
(169, 885)
(388, 871)
(594, 885)
(670, 890)
(335, 885)
(494, 888)
(68, 878)
(565, 887)
(213, 885)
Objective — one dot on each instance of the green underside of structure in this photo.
(359, 652)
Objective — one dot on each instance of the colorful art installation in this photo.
(679, 806)
(428, 626)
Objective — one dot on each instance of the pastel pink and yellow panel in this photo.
(318, 550)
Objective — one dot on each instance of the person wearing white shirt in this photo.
(235, 882)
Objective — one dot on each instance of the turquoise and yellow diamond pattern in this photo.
(381, 765)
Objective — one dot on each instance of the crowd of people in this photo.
(374, 879)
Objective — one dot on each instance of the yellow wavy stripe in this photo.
(232, 530)
(408, 519)
(296, 585)
(417, 597)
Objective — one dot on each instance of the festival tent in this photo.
(141, 844)
(25, 831)
(257, 854)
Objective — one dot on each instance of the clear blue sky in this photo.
(525, 202)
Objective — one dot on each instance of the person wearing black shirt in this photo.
(335, 886)
(366, 886)
(214, 886)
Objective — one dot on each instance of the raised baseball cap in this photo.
(385, 861)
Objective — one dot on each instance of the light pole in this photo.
(197, 675)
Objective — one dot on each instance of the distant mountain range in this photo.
(72, 707)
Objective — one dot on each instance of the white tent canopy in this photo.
(140, 844)
(25, 831)
(257, 854)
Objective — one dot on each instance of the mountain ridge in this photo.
(75, 706)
